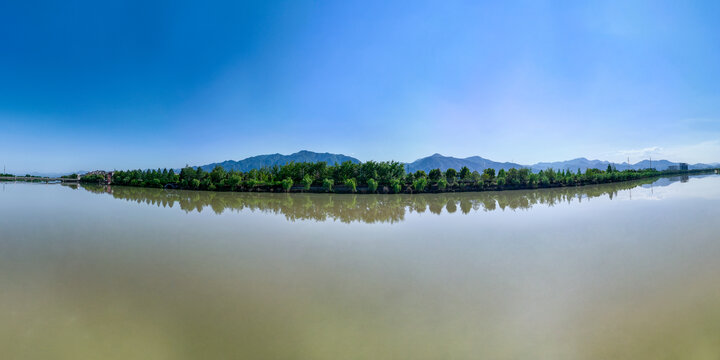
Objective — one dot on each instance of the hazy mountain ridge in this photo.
(260, 161)
(438, 161)
(442, 162)
(435, 161)
(583, 163)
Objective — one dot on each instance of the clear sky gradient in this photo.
(146, 84)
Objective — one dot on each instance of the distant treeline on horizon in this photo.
(372, 177)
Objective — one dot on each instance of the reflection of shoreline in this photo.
(367, 208)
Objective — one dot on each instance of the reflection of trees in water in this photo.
(362, 208)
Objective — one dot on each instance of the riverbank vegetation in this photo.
(371, 177)
(93, 178)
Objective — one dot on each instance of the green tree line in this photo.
(371, 177)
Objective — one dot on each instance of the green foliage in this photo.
(420, 184)
(442, 184)
(372, 174)
(372, 185)
(434, 175)
(233, 181)
(94, 178)
(287, 184)
(464, 173)
(475, 177)
(352, 184)
(544, 181)
(451, 175)
(307, 181)
(328, 184)
(489, 174)
(408, 178)
(217, 174)
(395, 185)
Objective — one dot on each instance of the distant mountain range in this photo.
(260, 161)
(438, 161)
(435, 161)
(583, 163)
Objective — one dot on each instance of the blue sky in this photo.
(136, 84)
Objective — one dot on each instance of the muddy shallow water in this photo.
(617, 271)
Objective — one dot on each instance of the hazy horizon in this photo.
(46, 173)
(88, 85)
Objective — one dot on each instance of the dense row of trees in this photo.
(370, 177)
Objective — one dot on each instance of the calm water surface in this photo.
(623, 271)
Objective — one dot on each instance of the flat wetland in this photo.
(617, 271)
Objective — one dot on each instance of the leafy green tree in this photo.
(395, 185)
(352, 184)
(489, 174)
(372, 185)
(451, 175)
(544, 181)
(307, 181)
(287, 184)
(217, 174)
(442, 184)
(464, 173)
(234, 181)
(420, 174)
(408, 178)
(420, 184)
(328, 184)
(434, 175)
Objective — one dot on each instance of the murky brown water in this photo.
(623, 271)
